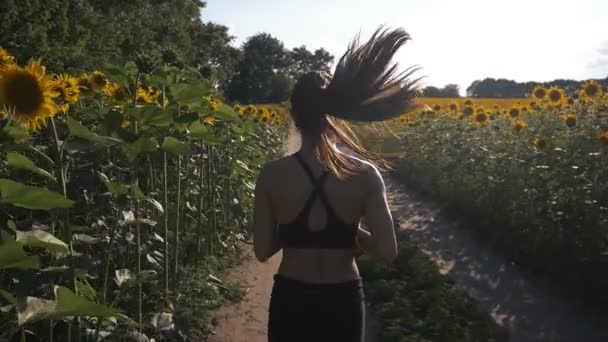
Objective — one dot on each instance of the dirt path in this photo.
(247, 320)
(531, 309)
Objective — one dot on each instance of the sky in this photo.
(453, 41)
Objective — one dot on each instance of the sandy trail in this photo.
(529, 306)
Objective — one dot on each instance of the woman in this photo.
(309, 204)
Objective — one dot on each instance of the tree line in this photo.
(84, 35)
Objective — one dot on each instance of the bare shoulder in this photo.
(273, 169)
(370, 174)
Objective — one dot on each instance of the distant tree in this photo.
(302, 60)
(263, 57)
(450, 90)
(267, 71)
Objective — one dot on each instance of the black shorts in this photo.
(301, 311)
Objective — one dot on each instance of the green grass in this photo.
(413, 302)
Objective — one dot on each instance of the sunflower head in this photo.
(519, 125)
(27, 93)
(208, 120)
(539, 93)
(239, 109)
(67, 87)
(556, 95)
(570, 102)
(570, 120)
(453, 106)
(85, 85)
(147, 94)
(468, 111)
(251, 110)
(514, 112)
(6, 59)
(214, 102)
(115, 93)
(436, 107)
(468, 102)
(591, 89)
(482, 118)
(99, 80)
(264, 113)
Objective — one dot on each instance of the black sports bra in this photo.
(335, 235)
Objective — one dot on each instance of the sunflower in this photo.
(251, 110)
(468, 111)
(591, 89)
(570, 102)
(28, 94)
(468, 103)
(539, 93)
(482, 118)
(524, 109)
(85, 85)
(453, 106)
(570, 120)
(115, 93)
(519, 125)
(214, 102)
(436, 107)
(208, 120)
(239, 109)
(98, 80)
(556, 95)
(147, 94)
(264, 113)
(6, 59)
(514, 112)
(67, 87)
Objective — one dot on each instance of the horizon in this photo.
(576, 51)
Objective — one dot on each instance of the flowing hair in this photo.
(365, 87)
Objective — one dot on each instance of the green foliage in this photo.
(414, 302)
(544, 205)
(31, 197)
(138, 207)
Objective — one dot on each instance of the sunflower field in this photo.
(530, 174)
(121, 193)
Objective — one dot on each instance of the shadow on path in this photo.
(525, 304)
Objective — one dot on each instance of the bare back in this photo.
(286, 187)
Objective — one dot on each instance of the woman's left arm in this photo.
(265, 238)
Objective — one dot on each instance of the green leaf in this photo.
(12, 256)
(41, 239)
(189, 94)
(68, 304)
(226, 113)
(19, 161)
(84, 238)
(116, 188)
(172, 145)
(78, 130)
(141, 145)
(17, 133)
(30, 197)
(9, 297)
(186, 118)
(153, 116)
(206, 133)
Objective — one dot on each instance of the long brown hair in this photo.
(365, 87)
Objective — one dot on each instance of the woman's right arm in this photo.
(380, 240)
